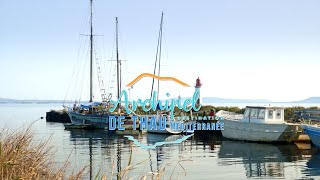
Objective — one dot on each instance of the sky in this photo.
(245, 49)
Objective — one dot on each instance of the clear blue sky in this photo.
(266, 49)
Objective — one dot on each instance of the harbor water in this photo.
(202, 156)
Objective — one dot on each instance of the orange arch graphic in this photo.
(156, 77)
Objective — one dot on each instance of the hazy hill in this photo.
(5, 100)
(309, 100)
(227, 100)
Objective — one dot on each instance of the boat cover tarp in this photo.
(90, 104)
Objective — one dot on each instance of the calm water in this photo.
(202, 156)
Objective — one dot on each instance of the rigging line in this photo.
(75, 65)
(111, 63)
(112, 84)
(91, 54)
(122, 47)
(155, 64)
(74, 68)
(103, 58)
(160, 53)
(123, 54)
(83, 77)
(82, 63)
(75, 82)
(126, 69)
(109, 77)
(82, 57)
(165, 45)
(99, 48)
(99, 76)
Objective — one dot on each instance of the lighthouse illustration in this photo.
(197, 88)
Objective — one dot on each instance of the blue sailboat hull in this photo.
(95, 120)
(314, 134)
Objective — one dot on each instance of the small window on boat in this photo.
(247, 112)
(278, 114)
(262, 113)
(270, 114)
(253, 113)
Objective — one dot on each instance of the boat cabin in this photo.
(261, 114)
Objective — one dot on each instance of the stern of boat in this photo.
(291, 133)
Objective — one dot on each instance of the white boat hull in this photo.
(259, 132)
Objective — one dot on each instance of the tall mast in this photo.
(91, 52)
(160, 43)
(118, 66)
(118, 63)
(158, 56)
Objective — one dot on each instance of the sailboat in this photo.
(95, 114)
(167, 130)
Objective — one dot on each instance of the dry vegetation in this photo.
(21, 157)
(24, 157)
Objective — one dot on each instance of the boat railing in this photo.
(306, 116)
(229, 115)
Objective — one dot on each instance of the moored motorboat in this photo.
(261, 124)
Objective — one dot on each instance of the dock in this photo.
(60, 116)
(78, 126)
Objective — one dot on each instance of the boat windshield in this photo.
(270, 114)
(262, 113)
(247, 112)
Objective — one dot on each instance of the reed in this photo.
(22, 157)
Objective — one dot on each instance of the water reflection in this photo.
(313, 165)
(259, 160)
(211, 157)
(101, 144)
(161, 151)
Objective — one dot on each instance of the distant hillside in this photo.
(5, 100)
(226, 100)
(309, 100)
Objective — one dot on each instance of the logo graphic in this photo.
(165, 121)
(136, 142)
(156, 77)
